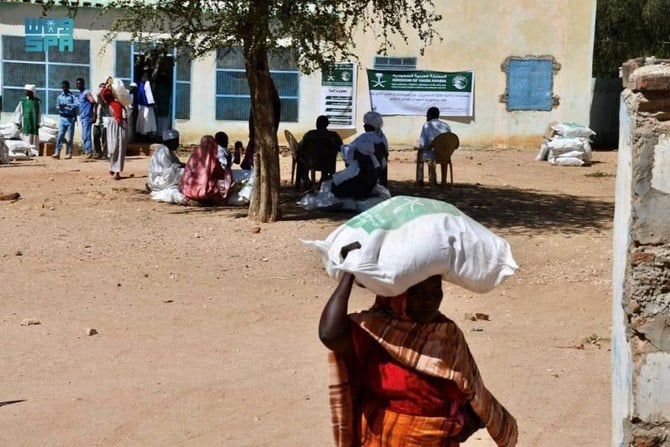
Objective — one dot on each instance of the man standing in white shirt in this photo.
(431, 128)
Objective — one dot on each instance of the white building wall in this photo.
(477, 36)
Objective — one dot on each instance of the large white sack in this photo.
(168, 195)
(571, 130)
(121, 92)
(324, 199)
(405, 240)
(567, 161)
(544, 151)
(47, 136)
(9, 131)
(567, 144)
(49, 123)
(19, 149)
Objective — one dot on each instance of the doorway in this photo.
(153, 72)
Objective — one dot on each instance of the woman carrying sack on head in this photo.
(117, 130)
(402, 373)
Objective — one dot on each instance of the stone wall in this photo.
(641, 260)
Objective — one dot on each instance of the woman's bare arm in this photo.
(334, 329)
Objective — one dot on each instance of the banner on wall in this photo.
(338, 95)
(413, 92)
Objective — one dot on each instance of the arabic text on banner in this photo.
(413, 92)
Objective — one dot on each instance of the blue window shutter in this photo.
(529, 84)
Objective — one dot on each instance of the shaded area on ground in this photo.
(517, 210)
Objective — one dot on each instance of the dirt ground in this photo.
(207, 322)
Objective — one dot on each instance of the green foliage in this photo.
(319, 31)
(627, 29)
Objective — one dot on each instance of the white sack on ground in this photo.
(405, 240)
(567, 161)
(9, 131)
(571, 130)
(559, 146)
(324, 199)
(19, 149)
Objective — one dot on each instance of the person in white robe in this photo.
(165, 169)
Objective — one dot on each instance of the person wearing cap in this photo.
(28, 117)
(165, 168)
(369, 151)
(67, 105)
(430, 129)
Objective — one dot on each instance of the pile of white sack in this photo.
(17, 148)
(566, 144)
(48, 130)
(405, 240)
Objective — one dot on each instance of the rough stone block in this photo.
(650, 78)
(652, 400)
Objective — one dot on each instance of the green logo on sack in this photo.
(395, 212)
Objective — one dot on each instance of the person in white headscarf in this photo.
(165, 169)
(366, 160)
(28, 117)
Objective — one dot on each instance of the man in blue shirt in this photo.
(67, 109)
(86, 116)
(431, 128)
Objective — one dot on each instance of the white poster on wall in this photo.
(413, 92)
(338, 95)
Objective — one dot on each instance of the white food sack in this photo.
(544, 151)
(122, 94)
(405, 240)
(50, 123)
(567, 161)
(9, 131)
(572, 130)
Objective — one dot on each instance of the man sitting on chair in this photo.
(328, 144)
(431, 128)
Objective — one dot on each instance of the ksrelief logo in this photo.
(460, 82)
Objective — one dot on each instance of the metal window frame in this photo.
(221, 96)
(46, 65)
(397, 63)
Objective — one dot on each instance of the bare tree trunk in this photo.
(264, 205)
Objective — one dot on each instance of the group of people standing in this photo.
(103, 119)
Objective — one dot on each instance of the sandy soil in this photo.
(207, 323)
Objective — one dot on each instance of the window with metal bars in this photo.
(394, 63)
(47, 70)
(233, 100)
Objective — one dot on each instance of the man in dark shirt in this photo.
(318, 150)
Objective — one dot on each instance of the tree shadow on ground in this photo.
(516, 210)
